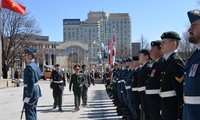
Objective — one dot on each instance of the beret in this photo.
(156, 43)
(30, 50)
(129, 59)
(170, 35)
(145, 51)
(135, 58)
(193, 15)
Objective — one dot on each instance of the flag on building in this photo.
(13, 6)
(109, 54)
(114, 50)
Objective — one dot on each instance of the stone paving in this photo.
(99, 106)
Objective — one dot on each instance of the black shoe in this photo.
(60, 110)
(54, 107)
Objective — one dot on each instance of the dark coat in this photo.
(32, 75)
(77, 82)
(172, 79)
(192, 87)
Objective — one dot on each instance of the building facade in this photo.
(97, 29)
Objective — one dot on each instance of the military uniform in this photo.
(85, 87)
(152, 91)
(172, 81)
(58, 83)
(77, 80)
(32, 90)
(191, 109)
(135, 93)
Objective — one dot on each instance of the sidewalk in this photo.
(99, 106)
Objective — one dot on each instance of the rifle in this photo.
(22, 112)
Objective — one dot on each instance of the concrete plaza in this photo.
(99, 106)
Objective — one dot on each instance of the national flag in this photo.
(114, 50)
(13, 6)
(109, 54)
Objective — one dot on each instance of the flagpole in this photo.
(1, 40)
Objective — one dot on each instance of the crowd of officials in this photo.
(157, 84)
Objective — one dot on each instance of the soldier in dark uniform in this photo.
(144, 59)
(32, 90)
(152, 91)
(134, 86)
(171, 78)
(85, 85)
(58, 83)
(191, 109)
(77, 81)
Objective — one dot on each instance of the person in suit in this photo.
(32, 90)
(171, 78)
(191, 108)
(58, 83)
(86, 84)
(77, 81)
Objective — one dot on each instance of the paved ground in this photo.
(99, 106)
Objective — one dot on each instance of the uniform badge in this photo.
(153, 73)
(179, 79)
(193, 70)
(132, 78)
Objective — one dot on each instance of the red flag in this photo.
(109, 54)
(114, 50)
(14, 6)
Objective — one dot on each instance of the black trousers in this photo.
(57, 95)
(84, 95)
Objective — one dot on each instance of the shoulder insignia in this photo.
(179, 79)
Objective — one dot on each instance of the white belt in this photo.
(123, 81)
(114, 80)
(58, 81)
(152, 91)
(135, 89)
(191, 100)
(25, 85)
(128, 87)
(141, 88)
(168, 94)
(119, 81)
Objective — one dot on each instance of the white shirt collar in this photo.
(167, 55)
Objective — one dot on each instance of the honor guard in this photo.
(153, 83)
(171, 78)
(134, 87)
(58, 83)
(144, 59)
(32, 90)
(191, 109)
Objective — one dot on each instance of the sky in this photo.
(149, 18)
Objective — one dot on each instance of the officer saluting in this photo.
(32, 91)
(191, 110)
(57, 85)
(171, 78)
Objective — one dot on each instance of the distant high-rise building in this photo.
(97, 29)
(135, 49)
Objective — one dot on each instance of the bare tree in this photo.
(144, 43)
(16, 32)
(185, 47)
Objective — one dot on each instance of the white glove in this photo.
(26, 100)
